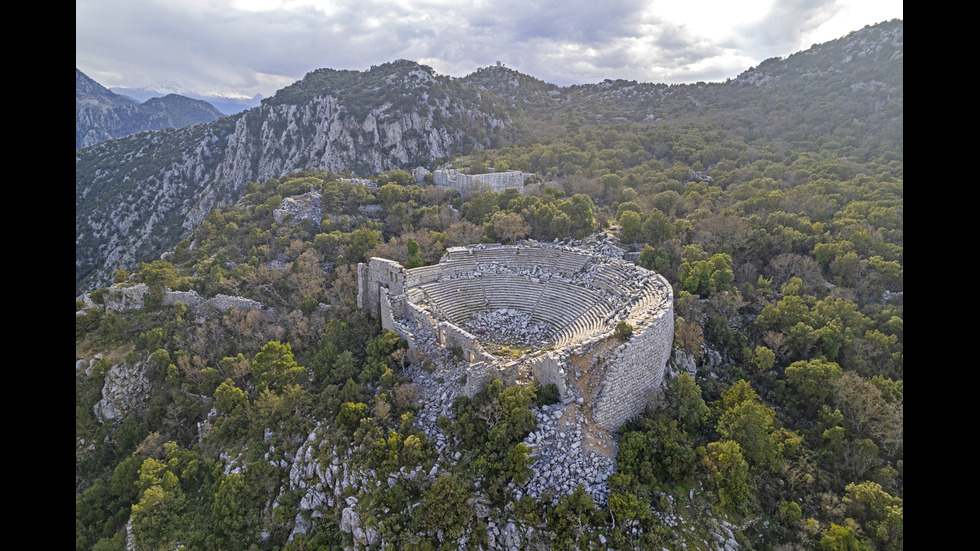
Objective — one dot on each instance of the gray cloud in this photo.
(580, 21)
(780, 31)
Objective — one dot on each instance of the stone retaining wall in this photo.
(635, 372)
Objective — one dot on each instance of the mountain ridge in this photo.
(226, 105)
(180, 174)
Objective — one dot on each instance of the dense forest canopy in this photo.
(779, 225)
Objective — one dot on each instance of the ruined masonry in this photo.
(468, 184)
(533, 311)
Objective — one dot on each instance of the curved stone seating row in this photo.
(576, 294)
(511, 291)
(571, 311)
(574, 311)
(564, 299)
(456, 300)
(571, 262)
(593, 321)
(609, 277)
(460, 298)
(555, 259)
(568, 262)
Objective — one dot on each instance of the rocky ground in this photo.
(508, 327)
(568, 449)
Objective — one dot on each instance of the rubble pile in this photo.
(509, 327)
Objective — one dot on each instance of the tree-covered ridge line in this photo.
(787, 266)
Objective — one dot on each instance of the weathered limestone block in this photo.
(302, 207)
(119, 298)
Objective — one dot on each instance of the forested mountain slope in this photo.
(102, 115)
(232, 395)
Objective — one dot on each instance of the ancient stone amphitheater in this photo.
(534, 311)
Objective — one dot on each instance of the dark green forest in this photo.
(778, 222)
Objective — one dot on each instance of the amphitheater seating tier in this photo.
(539, 281)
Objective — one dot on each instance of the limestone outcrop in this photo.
(300, 207)
(126, 390)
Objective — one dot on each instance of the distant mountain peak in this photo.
(88, 91)
(101, 114)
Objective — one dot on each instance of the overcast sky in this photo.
(248, 47)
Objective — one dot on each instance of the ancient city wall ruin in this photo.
(468, 184)
(534, 311)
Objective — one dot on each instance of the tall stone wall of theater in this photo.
(388, 306)
(372, 276)
(636, 371)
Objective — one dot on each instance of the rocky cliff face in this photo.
(136, 196)
(97, 111)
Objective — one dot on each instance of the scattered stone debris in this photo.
(508, 326)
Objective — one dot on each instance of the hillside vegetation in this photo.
(773, 204)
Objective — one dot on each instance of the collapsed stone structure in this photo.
(125, 297)
(534, 311)
(468, 184)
